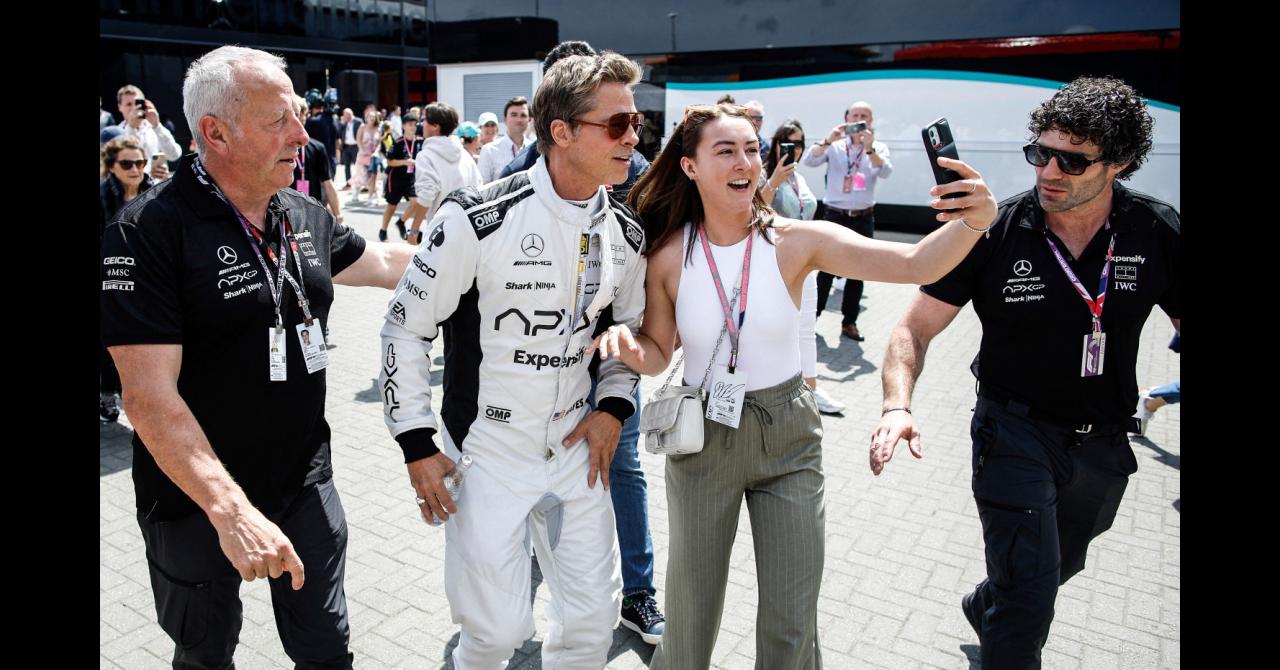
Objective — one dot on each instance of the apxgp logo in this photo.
(528, 327)
(233, 279)
(389, 386)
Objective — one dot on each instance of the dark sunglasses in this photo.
(1069, 163)
(618, 123)
(128, 165)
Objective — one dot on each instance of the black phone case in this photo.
(946, 148)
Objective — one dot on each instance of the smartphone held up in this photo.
(939, 142)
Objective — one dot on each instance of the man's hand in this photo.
(601, 431)
(836, 133)
(153, 117)
(255, 546)
(427, 478)
(865, 138)
(159, 170)
(414, 237)
(894, 426)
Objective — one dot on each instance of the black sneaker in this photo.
(400, 226)
(382, 235)
(640, 613)
(971, 612)
(108, 408)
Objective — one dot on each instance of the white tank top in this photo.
(767, 346)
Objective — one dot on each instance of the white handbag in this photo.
(671, 419)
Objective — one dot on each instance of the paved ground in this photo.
(901, 549)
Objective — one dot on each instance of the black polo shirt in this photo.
(178, 269)
(315, 160)
(399, 151)
(1034, 321)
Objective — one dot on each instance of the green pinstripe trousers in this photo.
(774, 459)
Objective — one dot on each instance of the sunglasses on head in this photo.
(128, 165)
(1069, 163)
(618, 123)
(709, 108)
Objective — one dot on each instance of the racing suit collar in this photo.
(590, 217)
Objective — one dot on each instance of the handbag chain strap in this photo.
(723, 329)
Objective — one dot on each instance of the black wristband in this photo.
(619, 408)
(418, 444)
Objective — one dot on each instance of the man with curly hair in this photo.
(1062, 285)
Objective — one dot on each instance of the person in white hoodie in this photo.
(442, 166)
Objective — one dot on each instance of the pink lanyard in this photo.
(734, 329)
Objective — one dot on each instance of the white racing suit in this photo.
(504, 271)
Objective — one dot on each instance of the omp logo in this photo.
(389, 368)
(634, 234)
(1022, 288)
(1022, 268)
(233, 279)
(527, 326)
(422, 265)
(397, 313)
(500, 414)
(117, 260)
(540, 361)
(116, 285)
(486, 219)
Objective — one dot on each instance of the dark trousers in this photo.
(1043, 493)
(197, 591)
(349, 152)
(863, 225)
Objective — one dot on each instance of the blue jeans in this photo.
(631, 506)
(1170, 393)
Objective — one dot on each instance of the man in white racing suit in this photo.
(520, 274)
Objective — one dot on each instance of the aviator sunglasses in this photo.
(618, 123)
(1070, 163)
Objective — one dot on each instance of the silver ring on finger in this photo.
(975, 187)
(420, 500)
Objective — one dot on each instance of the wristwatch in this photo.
(871, 151)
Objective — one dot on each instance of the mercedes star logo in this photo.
(1022, 268)
(227, 255)
(532, 245)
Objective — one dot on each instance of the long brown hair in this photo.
(787, 129)
(665, 197)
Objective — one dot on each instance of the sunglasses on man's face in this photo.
(618, 123)
(1070, 163)
(128, 165)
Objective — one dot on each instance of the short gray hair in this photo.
(210, 87)
(568, 89)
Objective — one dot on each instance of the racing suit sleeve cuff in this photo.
(621, 409)
(417, 444)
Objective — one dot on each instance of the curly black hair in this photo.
(1102, 110)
